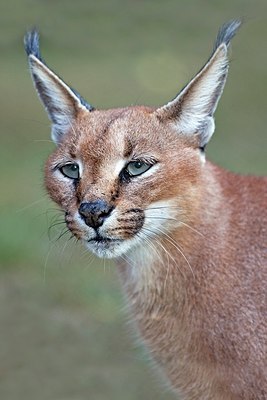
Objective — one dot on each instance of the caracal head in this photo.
(127, 177)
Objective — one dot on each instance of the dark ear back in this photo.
(61, 102)
(192, 109)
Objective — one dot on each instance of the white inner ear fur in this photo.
(52, 82)
(59, 100)
(199, 99)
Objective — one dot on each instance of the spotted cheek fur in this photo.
(126, 224)
(72, 226)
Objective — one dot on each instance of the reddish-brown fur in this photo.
(195, 269)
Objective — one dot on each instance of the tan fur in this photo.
(189, 238)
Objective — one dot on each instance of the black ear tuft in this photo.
(227, 32)
(61, 102)
(31, 43)
(193, 108)
(32, 48)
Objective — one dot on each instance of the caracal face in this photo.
(142, 170)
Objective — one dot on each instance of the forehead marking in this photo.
(128, 148)
(112, 120)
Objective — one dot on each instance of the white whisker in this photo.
(172, 218)
(34, 203)
(165, 250)
(171, 241)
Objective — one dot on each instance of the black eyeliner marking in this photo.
(124, 176)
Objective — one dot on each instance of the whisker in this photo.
(168, 259)
(35, 121)
(171, 241)
(43, 140)
(166, 251)
(56, 223)
(159, 217)
(49, 232)
(193, 229)
(63, 249)
(34, 203)
(164, 208)
(51, 210)
(104, 262)
(149, 242)
(177, 220)
(168, 265)
(46, 261)
(62, 234)
(89, 257)
(127, 259)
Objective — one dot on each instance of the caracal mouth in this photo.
(101, 239)
(104, 247)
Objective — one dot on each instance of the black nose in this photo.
(95, 212)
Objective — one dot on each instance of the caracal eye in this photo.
(135, 168)
(70, 170)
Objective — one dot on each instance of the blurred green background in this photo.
(63, 332)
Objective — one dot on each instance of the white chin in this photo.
(109, 249)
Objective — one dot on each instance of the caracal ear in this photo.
(61, 102)
(193, 108)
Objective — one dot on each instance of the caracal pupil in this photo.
(189, 238)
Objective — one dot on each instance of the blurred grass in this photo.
(61, 324)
